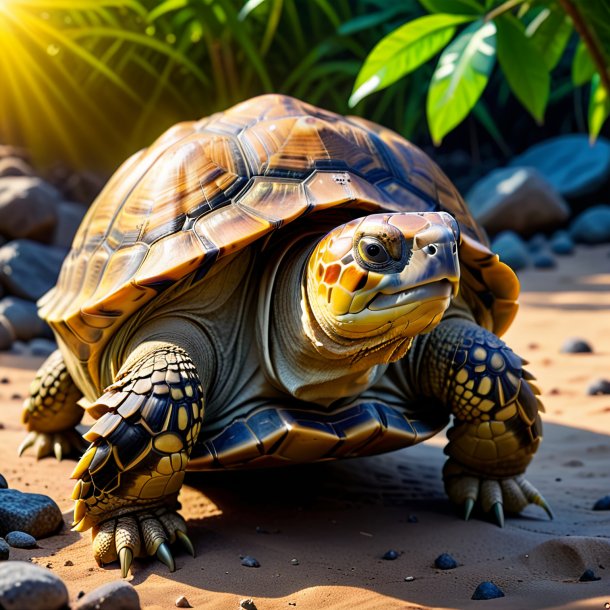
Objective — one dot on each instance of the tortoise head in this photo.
(385, 271)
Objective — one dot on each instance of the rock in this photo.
(69, 217)
(3, 482)
(511, 249)
(575, 346)
(23, 318)
(27, 207)
(569, 163)
(83, 186)
(21, 540)
(390, 555)
(487, 590)
(588, 576)
(599, 387)
(247, 604)
(42, 347)
(602, 504)
(412, 519)
(36, 514)
(14, 166)
(537, 243)
(5, 550)
(445, 562)
(250, 562)
(25, 585)
(115, 595)
(543, 260)
(561, 243)
(592, 226)
(182, 602)
(409, 578)
(516, 199)
(29, 269)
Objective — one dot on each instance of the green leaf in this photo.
(460, 77)
(370, 20)
(599, 107)
(582, 65)
(550, 31)
(455, 7)
(522, 64)
(403, 50)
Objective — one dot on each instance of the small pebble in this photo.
(487, 590)
(294, 562)
(599, 387)
(68, 563)
(602, 504)
(537, 243)
(5, 380)
(250, 562)
(247, 604)
(182, 602)
(543, 260)
(409, 578)
(576, 346)
(412, 519)
(3, 483)
(445, 562)
(588, 576)
(561, 243)
(391, 555)
(5, 549)
(21, 540)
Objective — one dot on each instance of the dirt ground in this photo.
(338, 519)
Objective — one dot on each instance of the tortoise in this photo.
(277, 284)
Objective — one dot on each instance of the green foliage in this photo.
(530, 36)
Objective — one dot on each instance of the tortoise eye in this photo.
(372, 251)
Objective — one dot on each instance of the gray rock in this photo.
(21, 540)
(29, 269)
(569, 163)
(115, 595)
(516, 199)
(5, 550)
(27, 207)
(69, 217)
(602, 503)
(25, 585)
(36, 514)
(592, 226)
(250, 562)
(537, 243)
(23, 318)
(42, 347)
(3, 481)
(445, 562)
(247, 604)
(512, 250)
(182, 602)
(588, 576)
(599, 387)
(7, 334)
(561, 243)
(14, 166)
(390, 555)
(543, 260)
(573, 345)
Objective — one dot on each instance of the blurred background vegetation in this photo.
(88, 82)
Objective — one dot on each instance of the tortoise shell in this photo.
(209, 188)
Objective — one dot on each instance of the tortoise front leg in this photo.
(51, 412)
(130, 476)
(497, 427)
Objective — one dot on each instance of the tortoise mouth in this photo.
(433, 291)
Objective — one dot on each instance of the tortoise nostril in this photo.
(430, 249)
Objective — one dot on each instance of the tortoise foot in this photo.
(493, 496)
(60, 444)
(146, 533)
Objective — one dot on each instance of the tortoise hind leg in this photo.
(130, 476)
(497, 426)
(51, 411)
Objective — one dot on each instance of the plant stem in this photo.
(589, 41)
(503, 8)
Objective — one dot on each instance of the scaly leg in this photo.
(130, 476)
(497, 428)
(51, 411)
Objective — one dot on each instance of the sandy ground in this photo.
(338, 519)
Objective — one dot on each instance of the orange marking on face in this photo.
(353, 277)
(332, 274)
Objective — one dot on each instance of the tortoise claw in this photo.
(125, 559)
(540, 501)
(186, 542)
(468, 506)
(58, 451)
(164, 555)
(498, 512)
(27, 442)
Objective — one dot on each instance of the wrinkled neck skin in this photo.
(307, 358)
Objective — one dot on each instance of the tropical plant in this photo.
(528, 38)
